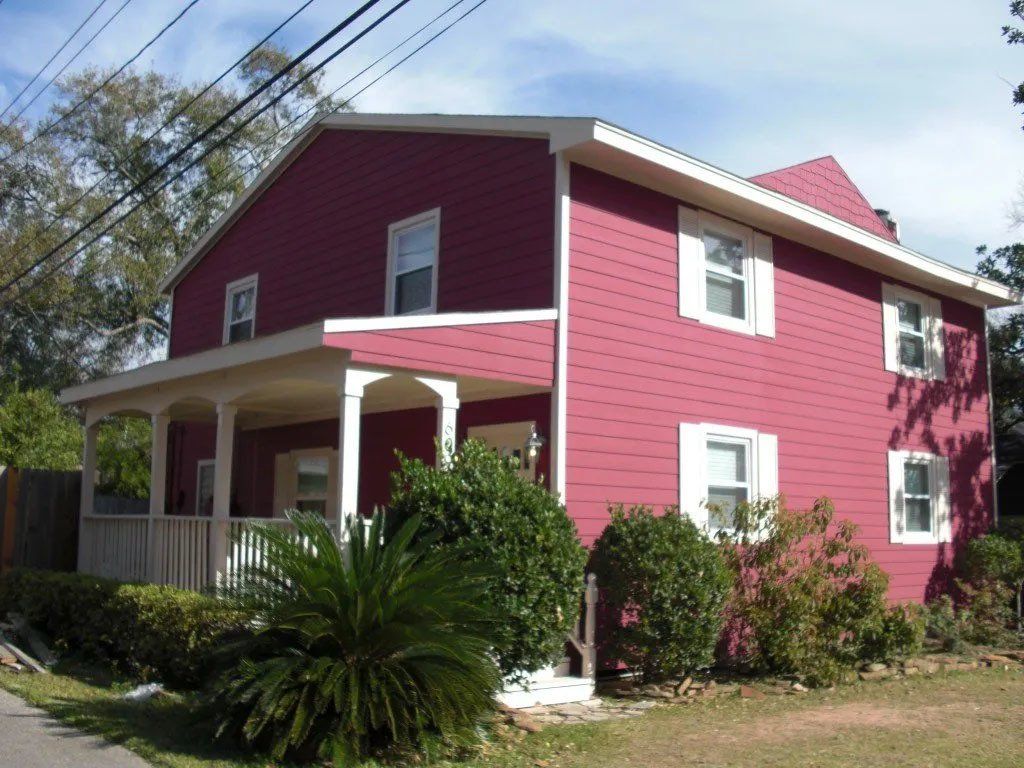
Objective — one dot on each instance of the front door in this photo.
(508, 440)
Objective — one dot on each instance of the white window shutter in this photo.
(897, 517)
(943, 516)
(692, 464)
(936, 340)
(284, 481)
(767, 465)
(764, 285)
(691, 264)
(890, 328)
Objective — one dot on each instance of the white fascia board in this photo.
(559, 130)
(399, 322)
(909, 264)
(209, 361)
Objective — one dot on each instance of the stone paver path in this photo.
(29, 738)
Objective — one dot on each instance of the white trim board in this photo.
(396, 322)
(612, 149)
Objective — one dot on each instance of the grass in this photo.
(969, 718)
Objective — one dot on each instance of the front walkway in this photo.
(29, 738)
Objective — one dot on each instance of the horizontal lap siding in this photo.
(636, 369)
(317, 236)
(520, 352)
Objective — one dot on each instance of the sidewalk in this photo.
(29, 738)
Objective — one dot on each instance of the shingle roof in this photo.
(823, 184)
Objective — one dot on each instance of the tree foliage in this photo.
(1006, 335)
(103, 311)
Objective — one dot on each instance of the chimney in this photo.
(891, 224)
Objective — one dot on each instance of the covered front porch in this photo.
(306, 419)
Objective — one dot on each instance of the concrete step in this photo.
(553, 690)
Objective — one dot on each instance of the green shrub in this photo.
(898, 634)
(144, 630)
(364, 648)
(665, 583)
(985, 615)
(806, 598)
(997, 557)
(943, 625)
(488, 513)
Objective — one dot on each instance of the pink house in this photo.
(677, 334)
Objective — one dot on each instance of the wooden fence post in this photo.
(9, 513)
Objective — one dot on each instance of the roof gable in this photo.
(823, 184)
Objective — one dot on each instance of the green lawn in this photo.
(957, 719)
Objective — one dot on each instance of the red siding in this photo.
(317, 236)
(519, 352)
(410, 431)
(636, 370)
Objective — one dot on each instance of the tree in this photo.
(103, 311)
(1006, 336)
(1015, 36)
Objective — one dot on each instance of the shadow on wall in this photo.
(964, 391)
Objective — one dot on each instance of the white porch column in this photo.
(223, 457)
(354, 384)
(447, 409)
(88, 493)
(157, 488)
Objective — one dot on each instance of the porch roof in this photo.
(490, 354)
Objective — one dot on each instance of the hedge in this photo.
(147, 631)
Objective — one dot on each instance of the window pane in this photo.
(724, 251)
(915, 479)
(725, 296)
(910, 315)
(240, 331)
(919, 515)
(312, 476)
(413, 290)
(721, 503)
(727, 463)
(414, 248)
(242, 304)
(319, 507)
(912, 350)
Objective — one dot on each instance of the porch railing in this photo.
(172, 550)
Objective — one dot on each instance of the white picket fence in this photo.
(168, 550)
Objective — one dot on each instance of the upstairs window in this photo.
(240, 310)
(726, 273)
(912, 326)
(412, 264)
(919, 504)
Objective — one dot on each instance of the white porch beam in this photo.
(447, 391)
(223, 458)
(88, 492)
(353, 386)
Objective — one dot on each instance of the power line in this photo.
(62, 214)
(214, 126)
(68, 63)
(50, 126)
(184, 205)
(64, 45)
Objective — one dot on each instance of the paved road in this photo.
(29, 738)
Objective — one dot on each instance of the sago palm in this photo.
(361, 647)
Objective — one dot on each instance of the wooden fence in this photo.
(38, 518)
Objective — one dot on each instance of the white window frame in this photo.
(395, 229)
(758, 273)
(939, 498)
(931, 332)
(200, 466)
(762, 466)
(237, 286)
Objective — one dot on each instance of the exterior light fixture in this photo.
(533, 444)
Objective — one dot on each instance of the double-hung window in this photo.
(912, 327)
(306, 479)
(240, 310)
(726, 273)
(919, 504)
(413, 245)
(721, 467)
(311, 483)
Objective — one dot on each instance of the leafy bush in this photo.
(666, 584)
(985, 615)
(943, 625)
(488, 513)
(898, 634)
(366, 647)
(997, 557)
(806, 597)
(147, 631)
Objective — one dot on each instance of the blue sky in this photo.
(912, 97)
